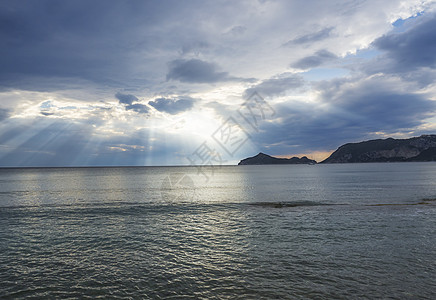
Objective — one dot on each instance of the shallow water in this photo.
(315, 232)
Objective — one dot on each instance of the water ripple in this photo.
(216, 251)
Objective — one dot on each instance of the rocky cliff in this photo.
(264, 159)
(421, 148)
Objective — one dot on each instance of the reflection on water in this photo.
(321, 232)
(327, 184)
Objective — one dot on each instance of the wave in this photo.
(197, 203)
(291, 204)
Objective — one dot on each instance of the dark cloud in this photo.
(352, 111)
(276, 86)
(195, 71)
(49, 41)
(94, 46)
(377, 103)
(137, 107)
(50, 45)
(37, 47)
(126, 98)
(311, 37)
(4, 114)
(412, 49)
(173, 106)
(315, 60)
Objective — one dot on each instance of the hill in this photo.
(421, 148)
(264, 159)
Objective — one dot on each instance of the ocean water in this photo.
(349, 231)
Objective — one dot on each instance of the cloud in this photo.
(173, 106)
(315, 60)
(276, 86)
(52, 46)
(194, 47)
(61, 142)
(195, 71)
(126, 98)
(4, 114)
(42, 142)
(352, 110)
(236, 30)
(412, 49)
(137, 107)
(76, 53)
(311, 37)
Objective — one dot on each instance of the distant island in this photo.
(422, 148)
(264, 159)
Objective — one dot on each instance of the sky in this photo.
(132, 83)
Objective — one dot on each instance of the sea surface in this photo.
(346, 231)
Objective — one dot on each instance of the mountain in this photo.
(421, 148)
(264, 159)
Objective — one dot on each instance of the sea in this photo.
(327, 231)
